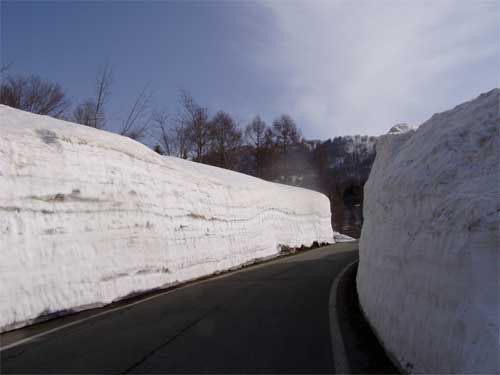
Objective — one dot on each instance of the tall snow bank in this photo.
(428, 278)
(88, 217)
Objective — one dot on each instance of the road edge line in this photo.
(156, 293)
(340, 362)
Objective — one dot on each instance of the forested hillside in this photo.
(337, 167)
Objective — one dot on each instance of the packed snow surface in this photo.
(339, 237)
(89, 217)
(428, 278)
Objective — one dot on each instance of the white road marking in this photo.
(41, 334)
(340, 363)
(31, 338)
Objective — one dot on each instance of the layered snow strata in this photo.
(428, 278)
(88, 217)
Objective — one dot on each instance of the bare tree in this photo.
(13, 92)
(102, 92)
(138, 119)
(192, 124)
(199, 133)
(225, 140)
(84, 113)
(161, 120)
(255, 137)
(181, 139)
(286, 135)
(91, 112)
(270, 154)
(35, 95)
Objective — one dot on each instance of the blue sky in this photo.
(337, 67)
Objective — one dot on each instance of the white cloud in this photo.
(360, 67)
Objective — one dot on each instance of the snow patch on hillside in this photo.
(400, 128)
(428, 277)
(89, 217)
(358, 144)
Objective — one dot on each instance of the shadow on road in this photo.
(364, 352)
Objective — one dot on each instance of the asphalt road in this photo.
(269, 318)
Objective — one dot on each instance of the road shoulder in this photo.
(355, 347)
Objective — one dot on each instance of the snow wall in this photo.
(428, 278)
(88, 217)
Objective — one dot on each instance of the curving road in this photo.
(269, 318)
